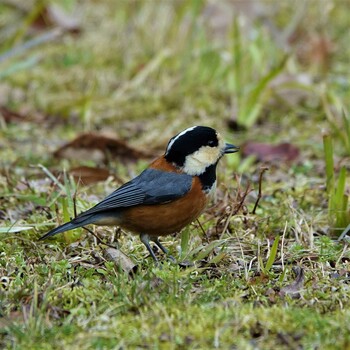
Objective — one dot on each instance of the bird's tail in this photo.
(75, 223)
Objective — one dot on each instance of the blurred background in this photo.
(138, 67)
(272, 76)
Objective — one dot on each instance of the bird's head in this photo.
(197, 148)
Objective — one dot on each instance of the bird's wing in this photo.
(150, 187)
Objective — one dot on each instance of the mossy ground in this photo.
(144, 71)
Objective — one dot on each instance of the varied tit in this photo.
(170, 194)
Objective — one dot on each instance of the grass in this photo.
(144, 72)
(339, 211)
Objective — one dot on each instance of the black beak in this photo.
(230, 148)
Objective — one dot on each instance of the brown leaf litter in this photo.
(264, 152)
(293, 289)
(99, 147)
(86, 175)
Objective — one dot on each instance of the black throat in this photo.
(208, 178)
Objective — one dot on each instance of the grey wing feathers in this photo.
(162, 187)
(125, 196)
(150, 187)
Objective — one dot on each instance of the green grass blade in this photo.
(205, 251)
(185, 238)
(273, 254)
(51, 176)
(64, 203)
(340, 189)
(340, 200)
(328, 154)
(252, 104)
(20, 66)
(346, 122)
(69, 188)
(236, 72)
(15, 229)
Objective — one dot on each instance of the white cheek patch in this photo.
(177, 137)
(196, 163)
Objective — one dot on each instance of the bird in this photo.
(168, 195)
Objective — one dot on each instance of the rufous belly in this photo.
(163, 219)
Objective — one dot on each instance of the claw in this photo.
(163, 249)
(145, 240)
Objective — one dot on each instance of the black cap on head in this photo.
(190, 141)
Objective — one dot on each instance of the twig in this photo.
(201, 227)
(51, 176)
(282, 245)
(242, 200)
(344, 233)
(262, 170)
(75, 203)
(98, 238)
(234, 211)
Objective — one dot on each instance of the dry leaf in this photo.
(23, 115)
(316, 49)
(59, 17)
(121, 260)
(284, 152)
(88, 175)
(10, 116)
(54, 15)
(294, 288)
(97, 147)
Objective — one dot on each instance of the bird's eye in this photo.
(211, 143)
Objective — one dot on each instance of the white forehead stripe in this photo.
(178, 136)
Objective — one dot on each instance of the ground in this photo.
(126, 76)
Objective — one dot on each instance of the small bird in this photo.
(167, 196)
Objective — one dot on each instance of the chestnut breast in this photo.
(163, 219)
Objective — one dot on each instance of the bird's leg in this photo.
(158, 244)
(162, 248)
(144, 237)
